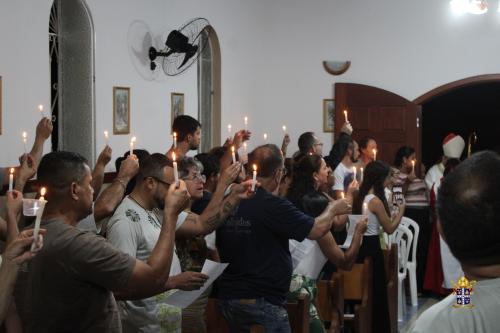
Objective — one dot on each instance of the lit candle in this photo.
(11, 179)
(361, 175)
(345, 115)
(245, 147)
(284, 129)
(40, 108)
(254, 182)
(246, 123)
(39, 213)
(175, 139)
(233, 154)
(374, 154)
(342, 195)
(413, 166)
(354, 171)
(106, 137)
(265, 136)
(25, 140)
(365, 208)
(176, 172)
(229, 129)
(132, 140)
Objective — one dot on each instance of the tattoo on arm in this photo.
(215, 221)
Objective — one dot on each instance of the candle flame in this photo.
(43, 190)
(413, 162)
(133, 139)
(106, 134)
(175, 134)
(173, 156)
(11, 171)
(229, 127)
(254, 167)
(265, 136)
(40, 107)
(345, 113)
(354, 169)
(232, 149)
(342, 195)
(246, 120)
(25, 135)
(284, 128)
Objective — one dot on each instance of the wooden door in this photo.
(391, 119)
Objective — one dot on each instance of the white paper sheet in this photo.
(353, 220)
(312, 263)
(299, 250)
(183, 299)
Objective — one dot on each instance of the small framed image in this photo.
(328, 115)
(121, 110)
(177, 105)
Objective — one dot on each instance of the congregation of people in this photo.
(108, 256)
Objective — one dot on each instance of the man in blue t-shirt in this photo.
(254, 241)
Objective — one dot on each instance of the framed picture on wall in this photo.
(121, 110)
(328, 115)
(177, 105)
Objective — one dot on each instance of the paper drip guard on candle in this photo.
(39, 213)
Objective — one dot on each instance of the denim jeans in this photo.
(241, 314)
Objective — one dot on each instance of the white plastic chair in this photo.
(412, 262)
(403, 237)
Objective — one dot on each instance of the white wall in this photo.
(271, 60)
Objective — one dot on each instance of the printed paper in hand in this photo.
(353, 220)
(183, 299)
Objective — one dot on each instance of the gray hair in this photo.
(186, 164)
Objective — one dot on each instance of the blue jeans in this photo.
(241, 314)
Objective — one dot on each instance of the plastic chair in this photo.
(412, 262)
(403, 237)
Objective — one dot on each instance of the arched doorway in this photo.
(71, 41)
(209, 90)
(463, 107)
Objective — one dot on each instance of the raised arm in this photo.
(43, 132)
(323, 223)
(98, 172)
(388, 223)
(111, 197)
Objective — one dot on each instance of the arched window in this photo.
(71, 45)
(209, 90)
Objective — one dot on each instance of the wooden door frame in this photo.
(448, 87)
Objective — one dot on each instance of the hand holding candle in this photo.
(254, 179)
(39, 213)
(11, 179)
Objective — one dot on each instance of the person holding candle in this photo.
(310, 174)
(345, 177)
(308, 143)
(68, 285)
(188, 133)
(367, 151)
(254, 241)
(135, 227)
(376, 177)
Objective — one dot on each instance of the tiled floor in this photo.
(412, 312)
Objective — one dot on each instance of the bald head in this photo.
(268, 159)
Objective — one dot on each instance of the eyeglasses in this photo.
(201, 178)
(160, 181)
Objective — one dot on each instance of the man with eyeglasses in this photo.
(135, 228)
(308, 144)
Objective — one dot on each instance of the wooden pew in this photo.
(330, 302)
(358, 288)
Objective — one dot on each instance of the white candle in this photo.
(374, 154)
(361, 175)
(233, 155)
(246, 123)
(229, 129)
(40, 108)
(39, 213)
(175, 139)
(132, 140)
(365, 208)
(284, 129)
(342, 195)
(106, 138)
(413, 166)
(11, 179)
(354, 170)
(345, 115)
(254, 182)
(265, 136)
(25, 140)
(245, 147)
(176, 172)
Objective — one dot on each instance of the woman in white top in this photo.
(371, 201)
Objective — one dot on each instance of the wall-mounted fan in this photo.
(182, 47)
(140, 39)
